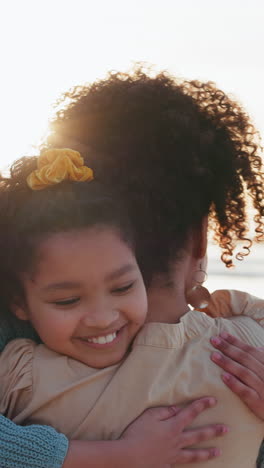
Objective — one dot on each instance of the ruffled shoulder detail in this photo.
(231, 303)
(174, 335)
(247, 326)
(16, 376)
(195, 325)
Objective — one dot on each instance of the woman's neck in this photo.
(166, 301)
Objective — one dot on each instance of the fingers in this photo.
(202, 434)
(186, 416)
(230, 343)
(252, 350)
(239, 362)
(164, 413)
(248, 395)
(242, 373)
(198, 455)
(194, 436)
(244, 366)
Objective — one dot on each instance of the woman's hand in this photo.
(244, 366)
(159, 438)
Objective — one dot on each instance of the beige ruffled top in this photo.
(168, 364)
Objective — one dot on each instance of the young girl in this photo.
(68, 266)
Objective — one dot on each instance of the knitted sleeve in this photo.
(260, 461)
(32, 446)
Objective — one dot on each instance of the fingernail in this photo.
(215, 340)
(226, 376)
(173, 409)
(217, 356)
(225, 429)
(217, 452)
(212, 401)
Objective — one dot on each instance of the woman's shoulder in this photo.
(245, 322)
(233, 303)
(247, 327)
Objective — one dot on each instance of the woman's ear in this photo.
(18, 308)
(200, 239)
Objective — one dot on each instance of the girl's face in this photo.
(86, 297)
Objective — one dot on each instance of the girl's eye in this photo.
(123, 289)
(66, 302)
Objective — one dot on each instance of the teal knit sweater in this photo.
(30, 446)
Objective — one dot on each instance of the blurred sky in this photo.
(49, 46)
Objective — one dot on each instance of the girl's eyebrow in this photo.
(74, 284)
(120, 271)
(62, 285)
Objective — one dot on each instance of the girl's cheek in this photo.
(54, 319)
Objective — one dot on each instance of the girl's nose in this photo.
(100, 317)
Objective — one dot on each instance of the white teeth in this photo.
(103, 339)
(110, 338)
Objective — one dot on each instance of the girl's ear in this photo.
(19, 310)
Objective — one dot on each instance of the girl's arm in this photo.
(156, 439)
(260, 460)
(31, 446)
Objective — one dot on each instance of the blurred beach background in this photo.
(247, 275)
(49, 46)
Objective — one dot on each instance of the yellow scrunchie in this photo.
(56, 165)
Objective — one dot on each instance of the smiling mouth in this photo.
(103, 339)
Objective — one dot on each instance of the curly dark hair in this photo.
(27, 217)
(175, 151)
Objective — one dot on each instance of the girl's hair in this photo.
(175, 151)
(28, 216)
